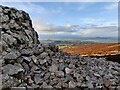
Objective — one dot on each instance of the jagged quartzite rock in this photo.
(59, 73)
(53, 68)
(16, 28)
(12, 69)
(68, 71)
(72, 84)
(12, 55)
(9, 81)
(38, 79)
(28, 64)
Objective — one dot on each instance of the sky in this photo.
(71, 19)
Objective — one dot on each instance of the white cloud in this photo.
(75, 30)
(111, 6)
(108, 31)
(41, 27)
(91, 20)
(68, 25)
(98, 22)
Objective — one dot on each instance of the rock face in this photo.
(16, 28)
(26, 63)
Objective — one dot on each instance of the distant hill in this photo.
(82, 40)
(67, 42)
(112, 38)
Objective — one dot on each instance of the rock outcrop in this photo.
(17, 30)
(26, 63)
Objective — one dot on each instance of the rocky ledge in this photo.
(26, 63)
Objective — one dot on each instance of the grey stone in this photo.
(26, 52)
(68, 78)
(24, 84)
(1, 9)
(59, 73)
(88, 78)
(12, 69)
(61, 67)
(65, 85)
(5, 18)
(43, 68)
(29, 34)
(68, 71)
(54, 81)
(44, 85)
(38, 79)
(116, 73)
(26, 67)
(5, 77)
(90, 85)
(31, 64)
(34, 68)
(18, 88)
(107, 83)
(37, 51)
(9, 82)
(53, 68)
(47, 75)
(97, 75)
(118, 87)
(83, 85)
(79, 84)
(71, 66)
(29, 80)
(83, 62)
(33, 87)
(12, 55)
(42, 61)
(9, 39)
(34, 58)
(72, 84)
(27, 59)
(58, 85)
(43, 55)
(80, 78)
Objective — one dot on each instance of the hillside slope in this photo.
(93, 49)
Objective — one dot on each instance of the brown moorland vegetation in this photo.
(93, 49)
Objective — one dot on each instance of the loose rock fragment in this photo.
(68, 71)
(53, 68)
(38, 79)
(12, 69)
(12, 55)
(59, 73)
(72, 84)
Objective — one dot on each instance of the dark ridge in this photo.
(114, 58)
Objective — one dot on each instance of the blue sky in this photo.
(71, 19)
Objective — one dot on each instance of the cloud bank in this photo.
(72, 31)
